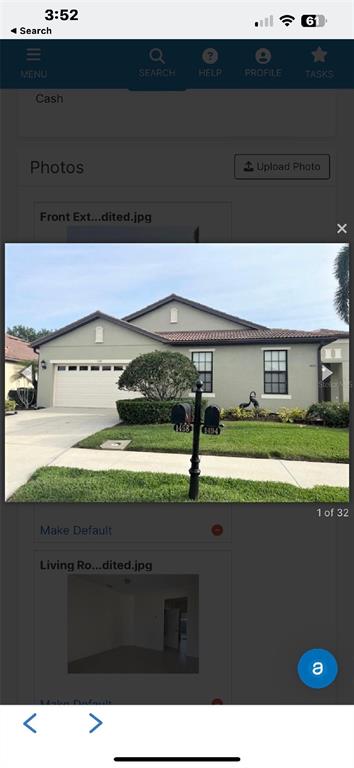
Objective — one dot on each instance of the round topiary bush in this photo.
(159, 375)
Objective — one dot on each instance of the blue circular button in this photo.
(317, 668)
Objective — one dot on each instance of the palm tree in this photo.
(341, 273)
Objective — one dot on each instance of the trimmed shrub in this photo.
(332, 414)
(241, 414)
(140, 410)
(230, 414)
(235, 414)
(159, 375)
(10, 405)
(248, 415)
(291, 415)
(264, 414)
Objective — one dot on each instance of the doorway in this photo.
(176, 624)
(327, 386)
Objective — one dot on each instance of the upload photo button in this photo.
(317, 668)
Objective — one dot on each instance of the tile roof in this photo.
(18, 349)
(247, 336)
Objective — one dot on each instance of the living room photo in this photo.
(171, 373)
(133, 624)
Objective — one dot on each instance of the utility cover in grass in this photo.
(115, 445)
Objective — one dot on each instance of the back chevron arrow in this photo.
(98, 723)
(27, 723)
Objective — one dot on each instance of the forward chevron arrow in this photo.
(98, 723)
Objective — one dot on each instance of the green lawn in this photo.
(241, 438)
(58, 484)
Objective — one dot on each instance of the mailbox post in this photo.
(183, 421)
(195, 461)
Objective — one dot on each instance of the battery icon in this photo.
(313, 20)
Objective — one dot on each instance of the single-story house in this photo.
(80, 364)
(18, 355)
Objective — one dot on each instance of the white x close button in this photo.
(342, 229)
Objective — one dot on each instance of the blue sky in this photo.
(284, 286)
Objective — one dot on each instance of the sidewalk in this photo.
(304, 474)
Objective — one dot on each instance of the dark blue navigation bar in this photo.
(177, 65)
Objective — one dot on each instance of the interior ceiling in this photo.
(133, 584)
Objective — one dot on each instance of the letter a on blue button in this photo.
(317, 668)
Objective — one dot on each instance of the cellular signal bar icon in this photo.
(267, 22)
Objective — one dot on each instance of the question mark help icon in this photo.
(210, 56)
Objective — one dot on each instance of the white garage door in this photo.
(88, 386)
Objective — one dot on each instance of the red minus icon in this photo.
(217, 529)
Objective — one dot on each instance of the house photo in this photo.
(133, 624)
(80, 364)
(125, 332)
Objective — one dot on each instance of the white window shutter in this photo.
(174, 315)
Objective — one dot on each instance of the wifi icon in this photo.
(287, 19)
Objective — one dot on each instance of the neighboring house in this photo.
(18, 355)
(81, 363)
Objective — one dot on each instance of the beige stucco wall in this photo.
(237, 369)
(189, 319)
(79, 345)
(11, 376)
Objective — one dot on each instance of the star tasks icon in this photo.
(319, 55)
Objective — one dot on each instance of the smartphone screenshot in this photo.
(177, 574)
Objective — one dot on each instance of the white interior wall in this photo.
(101, 618)
(149, 621)
(98, 618)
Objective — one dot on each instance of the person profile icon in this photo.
(263, 56)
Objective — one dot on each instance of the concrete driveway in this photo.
(35, 438)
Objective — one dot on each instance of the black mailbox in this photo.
(212, 424)
(212, 416)
(182, 414)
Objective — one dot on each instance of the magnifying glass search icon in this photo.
(156, 54)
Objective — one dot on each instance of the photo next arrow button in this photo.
(97, 721)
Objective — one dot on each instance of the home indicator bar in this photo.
(177, 759)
